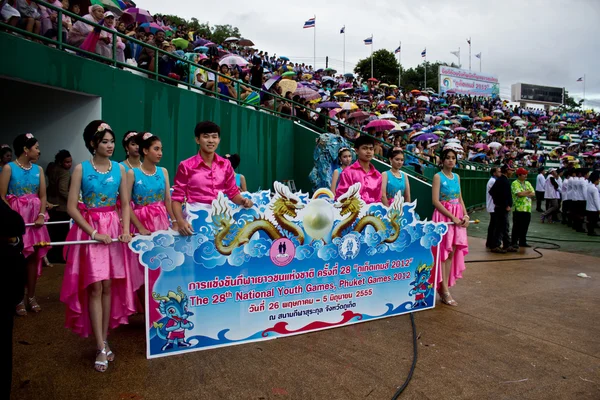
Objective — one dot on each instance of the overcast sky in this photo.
(531, 41)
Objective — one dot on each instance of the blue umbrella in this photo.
(478, 156)
(201, 49)
(348, 75)
(284, 58)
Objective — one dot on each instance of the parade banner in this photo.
(289, 265)
(459, 81)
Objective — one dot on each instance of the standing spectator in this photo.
(257, 73)
(362, 171)
(12, 230)
(489, 203)
(503, 202)
(579, 196)
(59, 176)
(5, 155)
(522, 192)
(592, 197)
(540, 189)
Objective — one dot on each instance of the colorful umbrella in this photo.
(288, 74)
(425, 137)
(348, 106)
(140, 15)
(231, 39)
(151, 27)
(109, 5)
(201, 49)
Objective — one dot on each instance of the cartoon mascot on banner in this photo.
(172, 327)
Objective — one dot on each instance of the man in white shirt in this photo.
(489, 203)
(566, 197)
(579, 199)
(592, 197)
(551, 194)
(540, 185)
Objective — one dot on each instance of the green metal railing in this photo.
(155, 74)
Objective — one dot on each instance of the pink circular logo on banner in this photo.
(282, 252)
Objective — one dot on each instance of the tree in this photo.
(222, 32)
(216, 33)
(570, 104)
(385, 67)
(413, 78)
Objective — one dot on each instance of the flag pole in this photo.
(469, 53)
(479, 62)
(459, 57)
(315, 44)
(583, 104)
(425, 65)
(400, 65)
(371, 55)
(344, 68)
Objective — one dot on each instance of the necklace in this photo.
(100, 172)
(22, 166)
(394, 173)
(147, 174)
(449, 177)
(131, 166)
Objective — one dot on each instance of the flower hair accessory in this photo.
(29, 136)
(130, 135)
(147, 136)
(5, 146)
(104, 126)
(340, 151)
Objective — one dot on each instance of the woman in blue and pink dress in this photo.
(132, 151)
(23, 188)
(151, 198)
(449, 207)
(95, 286)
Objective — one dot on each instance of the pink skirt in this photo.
(154, 217)
(29, 208)
(91, 263)
(455, 238)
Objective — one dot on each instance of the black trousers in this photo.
(58, 233)
(566, 216)
(539, 197)
(578, 214)
(501, 237)
(592, 220)
(490, 232)
(13, 268)
(521, 220)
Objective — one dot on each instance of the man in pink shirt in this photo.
(200, 178)
(362, 171)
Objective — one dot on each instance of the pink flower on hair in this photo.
(5, 146)
(130, 135)
(104, 126)
(29, 136)
(147, 136)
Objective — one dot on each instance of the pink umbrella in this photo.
(381, 125)
(359, 115)
(460, 128)
(481, 146)
(307, 93)
(333, 112)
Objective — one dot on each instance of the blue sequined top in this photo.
(100, 190)
(394, 184)
(449, 188)
(148, 189)
(22, 181)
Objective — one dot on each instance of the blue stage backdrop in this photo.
(289, 265)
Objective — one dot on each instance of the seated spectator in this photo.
(31, 18)
(9, 14)
(81, 29)
(109, 22)
(133, 50)
(147, 56)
